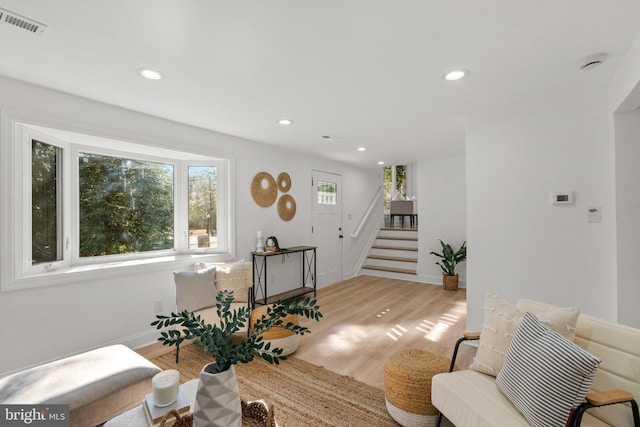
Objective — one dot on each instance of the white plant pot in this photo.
(217, 399)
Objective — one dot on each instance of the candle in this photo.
(165, 387)
(259, 234)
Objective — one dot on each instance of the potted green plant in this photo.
(218, 387)
(448, 261)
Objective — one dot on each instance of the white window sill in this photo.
(81, 273)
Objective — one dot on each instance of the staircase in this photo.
(394, 254)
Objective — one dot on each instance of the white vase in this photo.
(217, 399)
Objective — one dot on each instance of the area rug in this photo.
(301, 394)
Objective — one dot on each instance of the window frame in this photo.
(18, 271)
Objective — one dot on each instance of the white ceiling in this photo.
(367, 72)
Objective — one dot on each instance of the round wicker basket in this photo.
(286, 207)
(284, 182)
(263, 189)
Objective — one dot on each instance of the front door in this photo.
(327, 226)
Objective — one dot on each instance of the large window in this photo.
(125, 205)
(84, 204)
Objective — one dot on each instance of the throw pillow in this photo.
(195, 290)
(231, 277)
(545, 375)
(501, 320)
(561, 320)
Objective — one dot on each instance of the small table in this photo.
(135, 417)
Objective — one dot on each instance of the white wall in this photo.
(520, 245)
(627, 137)
(442, 207)
(115, 306)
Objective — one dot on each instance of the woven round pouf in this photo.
(407, 386)
(278, 337)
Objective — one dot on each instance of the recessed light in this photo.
(455, 75)
(150, 74)
(591, 62)
(285, 122)
(362, 149)
(381, 163)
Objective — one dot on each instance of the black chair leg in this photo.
(439, 419)
(177, 352)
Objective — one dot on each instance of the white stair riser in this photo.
(397, 243)
(394, 233)
(394, 252)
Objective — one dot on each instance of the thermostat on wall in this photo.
(562, 198)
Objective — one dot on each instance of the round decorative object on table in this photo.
(284, 182)
(278, 337)
(407, 386)
(263, 189)
(286, 207)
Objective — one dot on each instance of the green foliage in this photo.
(273, 241)
(449, 258)
(202, 198)
(401, 183)
(44, 202)
(216, 339)
(125, 205)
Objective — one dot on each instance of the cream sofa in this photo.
(470, 398)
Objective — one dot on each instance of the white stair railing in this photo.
(367, 214)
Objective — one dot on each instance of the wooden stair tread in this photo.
(390, 269)
(393, 258)
(410, 239)
(396, 248)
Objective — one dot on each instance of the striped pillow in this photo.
(544, 374)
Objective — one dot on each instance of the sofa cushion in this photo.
(544, 374)
(469, 398)
(195, 290)
(501, 320)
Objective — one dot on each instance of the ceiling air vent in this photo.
(10, 18)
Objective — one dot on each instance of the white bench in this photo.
(97, 385)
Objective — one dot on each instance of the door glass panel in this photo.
(327, 193)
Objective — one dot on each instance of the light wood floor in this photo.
(366, 319)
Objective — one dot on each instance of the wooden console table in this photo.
(260, 295)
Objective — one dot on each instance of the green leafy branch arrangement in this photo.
(216, 339)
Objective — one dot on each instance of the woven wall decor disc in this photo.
(286, 207)
(284, 182)
(263, 189)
